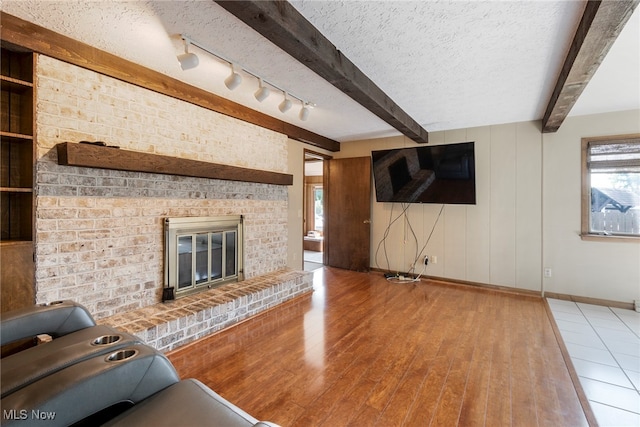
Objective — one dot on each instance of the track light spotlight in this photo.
(262, 93)
(188, 60)
(285, 105)
(234, 79)
(304, 112)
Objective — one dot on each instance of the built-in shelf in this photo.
(15, 137)
(17, 275)
(16, 243)
(96, 156)
(16, 190)
(13, 84)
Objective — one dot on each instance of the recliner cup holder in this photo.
(106, 339)
(48, 304)
(121, 355)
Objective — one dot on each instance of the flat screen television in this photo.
(443, 174)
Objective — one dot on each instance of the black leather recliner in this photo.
(96, 375)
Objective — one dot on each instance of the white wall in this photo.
(527, 215)
(599, 269)
(498, 240)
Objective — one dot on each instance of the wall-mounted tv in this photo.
(426, 174)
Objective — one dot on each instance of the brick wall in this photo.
(99, 234)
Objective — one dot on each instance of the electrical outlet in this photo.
(547, 272)
(434, 259)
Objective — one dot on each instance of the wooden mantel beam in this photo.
(283, 25)
(601, 24)
(94, 156)
(41, 40)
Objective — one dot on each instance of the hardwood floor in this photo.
(362, 351)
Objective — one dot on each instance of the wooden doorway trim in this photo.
(310, 155)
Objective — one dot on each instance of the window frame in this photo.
(585, 226)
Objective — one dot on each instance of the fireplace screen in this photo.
(202, 252)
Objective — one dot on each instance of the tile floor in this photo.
(604, 345)
(312, 260)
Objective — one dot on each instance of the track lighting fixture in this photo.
(188, 60)
(234, 79)
(285, 105)
(263, 92)
(304, 112)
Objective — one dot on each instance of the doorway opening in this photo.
(313, 211)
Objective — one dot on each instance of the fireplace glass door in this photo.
(201, 256)
(204, 258)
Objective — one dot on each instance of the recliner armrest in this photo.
(128, 375)
(56, 319)
(186, 403)
(30, 365)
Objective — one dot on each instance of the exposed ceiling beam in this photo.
(41, 40)
(601, 24)
(283, 25)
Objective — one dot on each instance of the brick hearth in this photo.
(166, 326)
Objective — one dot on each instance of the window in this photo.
(318, 208)
(611, 186)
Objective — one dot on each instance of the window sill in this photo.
(609, 237)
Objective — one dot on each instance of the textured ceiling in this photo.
(452, 65)
(448, 64)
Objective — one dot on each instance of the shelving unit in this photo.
(16, 177)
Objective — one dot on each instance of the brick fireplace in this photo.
(99, 232)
